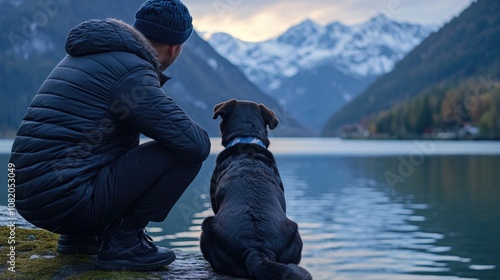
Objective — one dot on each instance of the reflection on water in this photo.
(440, 221)
(356, 230)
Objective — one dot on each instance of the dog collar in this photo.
(246, 140)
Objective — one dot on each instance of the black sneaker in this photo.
(79, 244)
(131, 250)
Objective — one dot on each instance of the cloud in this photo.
(259, 20)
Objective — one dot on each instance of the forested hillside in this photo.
(446, 112)
(448, 82)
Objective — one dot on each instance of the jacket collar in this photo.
(163, 78)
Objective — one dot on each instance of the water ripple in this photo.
(359, 232)
(354, 228)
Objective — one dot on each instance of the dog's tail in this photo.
(261, 267)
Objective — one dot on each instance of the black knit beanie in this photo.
(165, 21)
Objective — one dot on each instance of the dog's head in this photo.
(244, 119)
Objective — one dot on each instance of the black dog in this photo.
(250, 235)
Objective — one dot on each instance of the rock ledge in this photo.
(188, 265)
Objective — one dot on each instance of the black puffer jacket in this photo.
(90, 111)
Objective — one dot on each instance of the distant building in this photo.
(465, 131)
(468, 131)
(354, 131)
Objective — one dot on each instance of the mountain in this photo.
(453, 75)
(321, 66)
(34, 43)
(202, 78)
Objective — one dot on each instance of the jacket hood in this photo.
(98, 36)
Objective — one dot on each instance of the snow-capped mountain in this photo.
(287, 67)
(367, 49)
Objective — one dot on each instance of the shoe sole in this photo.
(118, 265)
(77, 249)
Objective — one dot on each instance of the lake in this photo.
(371, 209)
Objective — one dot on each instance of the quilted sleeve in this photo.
(139, 101)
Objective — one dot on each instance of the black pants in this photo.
(143, 184)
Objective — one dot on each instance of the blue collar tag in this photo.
(246, 140)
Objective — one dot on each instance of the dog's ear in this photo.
(225, 108)
(269, 117)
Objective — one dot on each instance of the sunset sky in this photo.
(259, 20)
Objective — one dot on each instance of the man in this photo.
(80, 169)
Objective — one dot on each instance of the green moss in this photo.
(29, 242)
(92, 275)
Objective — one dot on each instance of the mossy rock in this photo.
(36, 258)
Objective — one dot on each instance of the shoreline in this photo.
(355, 147)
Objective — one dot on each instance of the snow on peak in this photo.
(381, 17)
(366, 49)
(299, 33)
